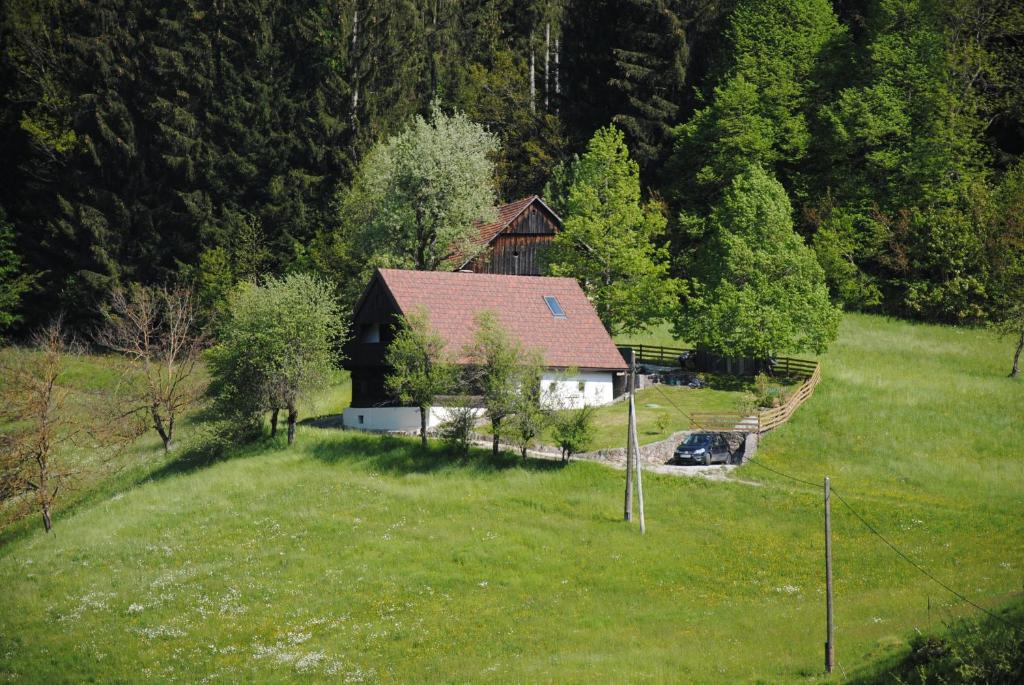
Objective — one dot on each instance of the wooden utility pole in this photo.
(637, 461)
(830, 645)
(628, 508)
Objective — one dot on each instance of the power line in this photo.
(867, 525)
(920, 568)
(816, 486)
(675, 406)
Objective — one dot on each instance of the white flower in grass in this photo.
(483, 583)
(134, 608)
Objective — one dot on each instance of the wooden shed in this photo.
(513, 243)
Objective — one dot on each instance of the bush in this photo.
(573, 430)
(973, 651)
(457, 425)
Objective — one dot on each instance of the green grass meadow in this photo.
(660, 410)
(356, 558)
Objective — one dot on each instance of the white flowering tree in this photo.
(415, 195)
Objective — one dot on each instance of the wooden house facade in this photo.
(512, 244)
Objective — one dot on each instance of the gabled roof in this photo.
(453, 300)
(507, 213)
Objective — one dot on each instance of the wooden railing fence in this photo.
(763, 420)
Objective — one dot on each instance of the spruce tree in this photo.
(610, 239)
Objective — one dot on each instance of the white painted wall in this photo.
(592, 388)
(386, 419)
(559, 390)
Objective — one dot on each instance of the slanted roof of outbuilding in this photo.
(507, 213)
(452, 302)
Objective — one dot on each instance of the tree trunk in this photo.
(158, 424)
(547, 62)
(293, 414)
(558, 87)
(273, 422)
(44, 491)
(423, 426)
(1015, 371)
(533, 85)
(495, 427)
(524, 453)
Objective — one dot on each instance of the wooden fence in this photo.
(658, 354)
(759, 422)
(767, 419)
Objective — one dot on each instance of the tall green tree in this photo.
(1005, 245)
(609, 242)
(416, 195)
(904, 149)
(419, 366)
(758, 289)
(276, 345)
(759, 110)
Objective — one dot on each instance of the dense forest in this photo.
(220, 140)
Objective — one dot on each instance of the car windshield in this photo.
(697, 439)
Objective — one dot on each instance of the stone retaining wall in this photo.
(654, 453)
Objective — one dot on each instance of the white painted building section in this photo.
(392, 419)
(580, 389)
(558, 390)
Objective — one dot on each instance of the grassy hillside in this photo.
(358, 558)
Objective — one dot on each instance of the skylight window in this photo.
(556, 309)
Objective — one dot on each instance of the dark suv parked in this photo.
(702, 448)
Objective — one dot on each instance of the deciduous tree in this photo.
(276, 345)
(573, 430)
(496, 364)
(1006, 257)
(158, 331)
(420, 368)
(531, 412)
(46, 428)
(758, 289)
(416, 195)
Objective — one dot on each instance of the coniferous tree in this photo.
(652, 61)
(609, 241)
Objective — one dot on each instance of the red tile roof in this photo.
(506, 214)
(452, 301)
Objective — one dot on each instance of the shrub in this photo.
(573, 430)
(457, 425)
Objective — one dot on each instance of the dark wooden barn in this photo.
(513, 243)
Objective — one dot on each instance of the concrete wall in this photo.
(592, 388)
(393, 419)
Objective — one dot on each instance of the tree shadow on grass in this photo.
(207, 450)
(728, 382)
(400, 455)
